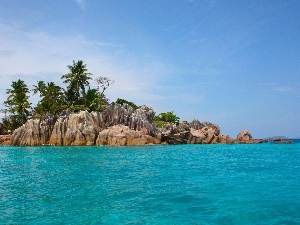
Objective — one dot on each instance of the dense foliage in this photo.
(164, 118)
(123, 101)
(54, 99)
(17, 107)
(77, 80)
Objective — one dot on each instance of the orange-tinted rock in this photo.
(120, 135)
(244, 137)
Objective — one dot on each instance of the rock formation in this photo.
(244, 136)
(173, 134)
(34, 131)
(120, 135)
(75, 129)
(117, 125)
(5, 139)
(83, 128)
(193, 133)
(140, 119)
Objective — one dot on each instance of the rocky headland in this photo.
(117, 125)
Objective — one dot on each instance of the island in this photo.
(117, 125)
(82, 115)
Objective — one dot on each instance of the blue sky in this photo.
(233, 63)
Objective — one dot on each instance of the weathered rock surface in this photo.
(117, 125)
(225, 139)
(82, 128)
(76, 129)
(120, 135)
(204, 133)
(192, 133)
(140, 119)
(34, 131)
(173, 134)
(5, 139)
(244, 136)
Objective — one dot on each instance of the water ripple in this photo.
(184, 184)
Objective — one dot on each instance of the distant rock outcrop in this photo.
(204, 133)
(244, 136)
(193, 133)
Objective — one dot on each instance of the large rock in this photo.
(120, 135)
(193, 133)
(196, 137)
(204, 133)
(205, 126)
(244, 136)
(83, 128)
(76, 129)
(140, 119)
(5, 139)
(173, 134)
(117, 125)
(225, 139)
(34, 131)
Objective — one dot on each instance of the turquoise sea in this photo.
(181, 184)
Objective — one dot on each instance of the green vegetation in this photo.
(54, 99)
(164, 118)
(78, 78)
(17, 107)
(123, 101)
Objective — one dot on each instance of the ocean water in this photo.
(181, 184)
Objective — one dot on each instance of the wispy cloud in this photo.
(80, 3)
(34, 56)
(278, 88)
(284, 89)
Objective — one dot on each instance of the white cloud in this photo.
(80, 3)
(280, 88)
(284, 89)
(34, 56)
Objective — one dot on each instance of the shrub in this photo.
(163, 118)
(123, 101)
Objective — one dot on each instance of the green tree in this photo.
(94, 100)
(163, 118)
(52, 98)
(78, 79)
(17, 106)
(123, 101)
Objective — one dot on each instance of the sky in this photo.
(233, 63)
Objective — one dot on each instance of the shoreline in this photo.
(119, 125)
(5, 140)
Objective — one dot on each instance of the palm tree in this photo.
(94, 100)
(78, 78)
(52, 98)
(17, 104)
(40, 87)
